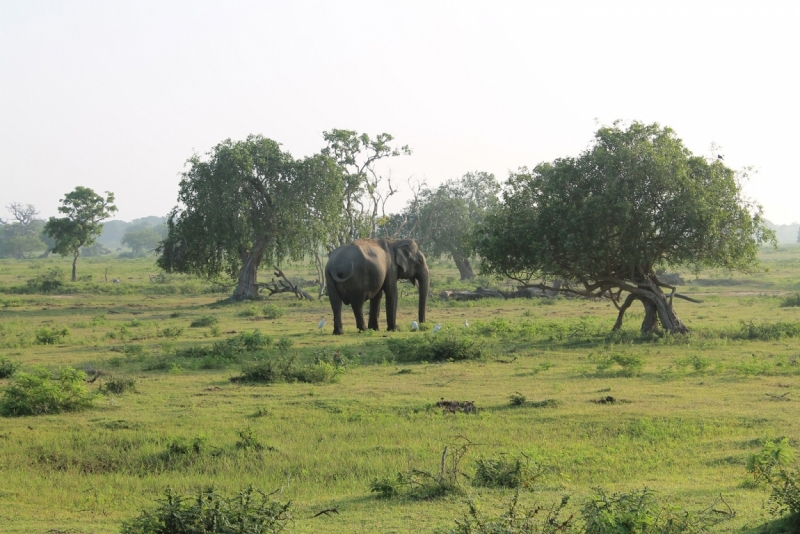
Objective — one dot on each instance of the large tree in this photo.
(20, 237)
(246, 202)
(635, 200)
(85, 210)
(141, 238)
(446, 217)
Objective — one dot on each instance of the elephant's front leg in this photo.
(336, 307)
(375, 311)
(391, 307)
(358, 312)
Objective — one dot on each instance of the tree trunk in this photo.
(657, 309)
(75, 266)
(464, 268)
(247, 285)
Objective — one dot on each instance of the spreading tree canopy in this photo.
(637, 199)
(248, 202)
(21, 236)
(85, 210)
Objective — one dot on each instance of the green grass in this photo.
(688, 411)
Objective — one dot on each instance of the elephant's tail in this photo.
(341, 277)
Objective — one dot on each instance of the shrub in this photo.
(206, 320)
(640, 512)
(7, 367)
(183, 447)
(117, 385)
(434, 348)
(785, 497)
(617, 364)
(52, 280)
(517, 399)
(171, 332)
(288, 369)
(768, 331)
(515, 520)
(504, 472)
(773, 454)
(271, 311)
(50, 336)
(35, 393)
(791, 300)
(419, 484)
(208, 512)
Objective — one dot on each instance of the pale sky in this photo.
(117, 95)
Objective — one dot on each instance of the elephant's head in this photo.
(411, 265)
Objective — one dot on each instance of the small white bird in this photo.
(414, 326)
(437, 328)
(466, 323)
(321, 323)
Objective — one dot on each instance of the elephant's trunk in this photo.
(423, 282)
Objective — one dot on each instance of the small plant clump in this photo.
(117, 385)
(35, 393)
(7, 367)
(206, 320)
(791, 301)
(504, 472)
(271, 311)
(288, 369)
(251, 511)
(434, 348)
(517, 399)
(516, 520)
(617, 364)
(50, 336)
(424, 485)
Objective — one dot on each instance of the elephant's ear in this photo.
(402, 257)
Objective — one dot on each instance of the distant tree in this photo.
(635, 200)
(141, 239)
(20, 237)
(84, 210)
(446, 216)
(248, 202)
(95, 250)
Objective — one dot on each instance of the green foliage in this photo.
(634, 200)
(250, 511)
(271, 311)
(768, 331)
(434, 348)
(248, 440)
(84, 210)
(206, 320)
(248, 196)
(35, 393)
(617, 364)
(504, 472)
(141, 239)
(52, 280)
(515, 520)
(7, 367)
(791, 300)
(774, 454)
(171, 332)
(117, 385)
(639, 512)
(288, 369)
(183, 447)
(50, 336)
(517, 399)
(785, 496)
(424, 485)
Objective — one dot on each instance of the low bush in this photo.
(420, 484)
(640, 512)
(117, 385)
(516, 520)
(791, 301)
(774, 455)
(271, 311)
(7, 367)
(434, 348)
(35, 393)
(251, 511)
(617, 364)
(288, 369)
(206, 320)
(50, 336)
(768, 331)
(52, 280)
(785, 497)
(504, 472)
(171, 332)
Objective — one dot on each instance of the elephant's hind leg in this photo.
(375, 311)
(358, 312)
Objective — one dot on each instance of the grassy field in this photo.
(687, 411)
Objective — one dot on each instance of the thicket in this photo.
(7, 367)
(327, 367)
(250, 511)
(36, 393)
(435, 348)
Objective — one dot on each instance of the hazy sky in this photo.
(117, 95)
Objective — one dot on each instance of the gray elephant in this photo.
(368, 268)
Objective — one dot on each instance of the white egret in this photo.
(466, 323)
(414, 326)
(437, 328)
(321, 323)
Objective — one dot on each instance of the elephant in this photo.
(368, 268)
